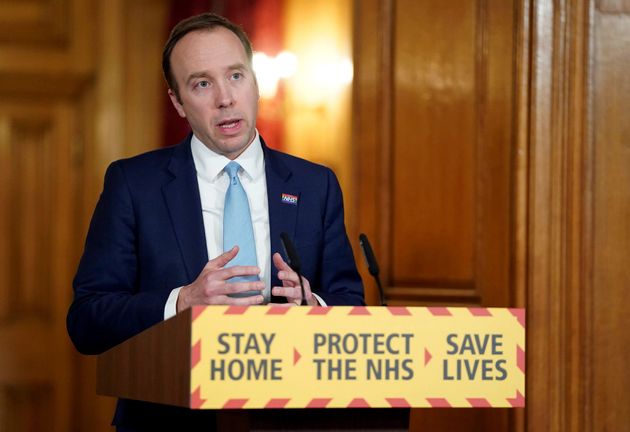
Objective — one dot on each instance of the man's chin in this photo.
(234, 150)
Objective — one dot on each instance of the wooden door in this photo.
(509, 123)
(435, 149)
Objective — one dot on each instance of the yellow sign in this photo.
(339, 357)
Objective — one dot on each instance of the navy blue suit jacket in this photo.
(147, 238)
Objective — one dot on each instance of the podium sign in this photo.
(357, 357)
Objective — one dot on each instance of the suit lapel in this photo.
(282, 212)
(184, 205)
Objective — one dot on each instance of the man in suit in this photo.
(157, 240)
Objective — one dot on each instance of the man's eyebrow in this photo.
(237, 66)
(204, 74)
(195, 75)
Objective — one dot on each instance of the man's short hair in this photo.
(204, 21)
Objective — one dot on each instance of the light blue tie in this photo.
(237, 227)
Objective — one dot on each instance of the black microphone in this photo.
(293, 261)
(370, 260)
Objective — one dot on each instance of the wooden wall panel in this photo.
(437, 110)
(51, 38)
(27, 407)
(614, 6)
(31, 179)
(371, 127)
(578, 230)
(434, 117)
(611, 221)
(37, 22)
(37, 222)
(75, 76)
(433, 166)
(45, 57)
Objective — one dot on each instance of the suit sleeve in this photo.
(108, 307)
(341, 282)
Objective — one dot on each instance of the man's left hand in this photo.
(290, 285)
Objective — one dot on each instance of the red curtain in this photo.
(262, 20)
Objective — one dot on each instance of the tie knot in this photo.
(232, 169)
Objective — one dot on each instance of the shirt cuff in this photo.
(319, 299)
(170, 308)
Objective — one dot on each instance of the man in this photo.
(163, 214)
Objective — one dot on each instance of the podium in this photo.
(322, 368)
(156, 366)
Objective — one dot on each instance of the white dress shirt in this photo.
(213, 184)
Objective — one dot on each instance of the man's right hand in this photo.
(212, 287)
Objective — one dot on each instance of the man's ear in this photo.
(175, 101)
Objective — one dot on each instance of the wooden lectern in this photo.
(155, 366)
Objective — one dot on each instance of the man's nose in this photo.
(224, 97)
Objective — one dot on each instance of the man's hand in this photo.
(290, 284)
(212, 287)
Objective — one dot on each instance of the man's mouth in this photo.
(229, 124)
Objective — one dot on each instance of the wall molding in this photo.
(559, 213)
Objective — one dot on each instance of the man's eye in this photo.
(237, 75)
(203, 84)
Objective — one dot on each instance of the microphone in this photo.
(370, 260)
(293, 261)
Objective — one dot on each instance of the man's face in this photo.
(217, 89)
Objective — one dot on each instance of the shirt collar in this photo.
(210, 165)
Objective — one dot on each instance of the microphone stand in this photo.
(294, 262)
(370, 260)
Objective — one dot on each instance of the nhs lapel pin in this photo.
(289, 199)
